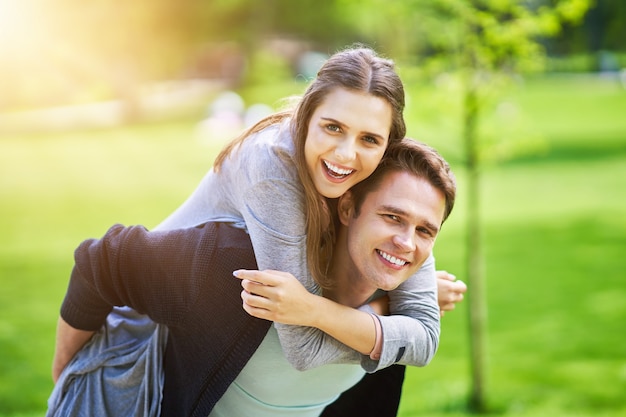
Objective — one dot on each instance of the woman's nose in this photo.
(345, 150)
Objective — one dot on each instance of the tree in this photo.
(484, 44)
(488, 42)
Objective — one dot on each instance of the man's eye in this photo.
(424, 231)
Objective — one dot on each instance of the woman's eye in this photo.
(333, 128)
(370, 139)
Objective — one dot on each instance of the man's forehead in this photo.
(409, 194)
(393, 186)
(397, 180)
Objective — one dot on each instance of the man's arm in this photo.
(155, 273)
(68, 342)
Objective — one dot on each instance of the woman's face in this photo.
(347, 137)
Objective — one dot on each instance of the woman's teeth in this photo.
(337, 172)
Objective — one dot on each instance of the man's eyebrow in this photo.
(337, 122)
(433, 228)
(400, 212)
(394, 210)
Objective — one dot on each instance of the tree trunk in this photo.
(475, 274)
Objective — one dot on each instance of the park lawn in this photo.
(555, 234)
(555, 240)
(557, 302)
(55, 191)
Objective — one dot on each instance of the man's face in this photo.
(395, 230)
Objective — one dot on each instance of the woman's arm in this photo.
(410, 335)
(277, 296)
(411, 339)
(411, 332)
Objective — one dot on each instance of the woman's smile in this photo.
(336, 171)
(347, 138)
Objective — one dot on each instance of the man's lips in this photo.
(393, 260)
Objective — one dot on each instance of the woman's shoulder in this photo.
(271, 147)
(274, 138)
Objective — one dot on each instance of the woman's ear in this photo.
(345, 207)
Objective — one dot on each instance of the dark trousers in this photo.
(376, 395)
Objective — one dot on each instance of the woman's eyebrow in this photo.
(343, 125)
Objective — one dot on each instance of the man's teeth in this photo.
(336, 170)
(392, 259)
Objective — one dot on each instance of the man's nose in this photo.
(405, 240)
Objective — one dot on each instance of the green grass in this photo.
(554, 232)
(55, 191)
(555, 246)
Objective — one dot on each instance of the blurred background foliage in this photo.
(67, 51)
(111, 111)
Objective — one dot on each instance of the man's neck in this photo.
(349, 288)
(350, 296)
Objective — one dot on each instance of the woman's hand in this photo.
(449, 291)
(276, 296)
(280, 297)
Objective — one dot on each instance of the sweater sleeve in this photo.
(156, 273)
(411, 331)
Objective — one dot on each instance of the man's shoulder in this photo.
(225, 236)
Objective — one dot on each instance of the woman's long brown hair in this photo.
(356, 69)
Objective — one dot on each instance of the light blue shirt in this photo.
(269, 386)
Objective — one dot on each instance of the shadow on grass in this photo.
(607, 146)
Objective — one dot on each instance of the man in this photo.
(388, 227)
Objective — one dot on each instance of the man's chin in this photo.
(390, 285)
(393, 282)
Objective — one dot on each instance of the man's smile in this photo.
(392, 259)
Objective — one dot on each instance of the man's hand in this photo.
(68, 342)
(450, 291)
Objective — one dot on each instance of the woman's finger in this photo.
(267, 277)
(256, 288)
